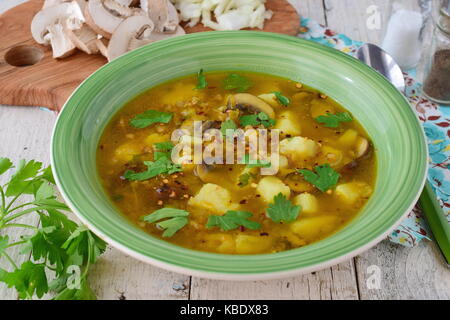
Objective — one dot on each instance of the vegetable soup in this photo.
(321, 173)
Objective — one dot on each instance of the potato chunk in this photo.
(156, 137)
(213, 198)
(127, 151)
(299, 148)
(270, 98)
(246, 244)
(348, 139)
(268, 187)
(287, 124)
(313, 228)
(220, 242)
(308, 202)
(351, 192)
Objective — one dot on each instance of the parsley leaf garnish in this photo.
(282, 99)
(244, 179)
(150, 117)
(324, 178)
(282, 210)
(334, 120)
(236, 82)
(227, 128)
(164, 146)
(176, 219)
(5, 164)
(58, 243)
(162, 164)
(232, 220)
(256, 120)
(28, 280)
(201, 80)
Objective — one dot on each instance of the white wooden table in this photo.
(406, 273)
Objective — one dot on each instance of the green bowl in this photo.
(381, 109)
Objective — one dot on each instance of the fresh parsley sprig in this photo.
(256, 120)
(150, 117)
(323, 179)
(201, 80)
(162, 164)
(281, 98)
(56, 246)
(236, 82)
(171, 220)
(334, 120)
(282, 209)
(232, 220)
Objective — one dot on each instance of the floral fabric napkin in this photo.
(436, 123)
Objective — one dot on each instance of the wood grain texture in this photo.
(285, 20)
(49, 82)
(337, 283)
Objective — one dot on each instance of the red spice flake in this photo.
(243, 201)
(263, 234)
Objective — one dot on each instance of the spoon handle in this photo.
(436, 220)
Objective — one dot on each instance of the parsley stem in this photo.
(11, 261)
(2, 193)
(21, 191)
(24, 212)
(18, 225)
(18, 207)
(17, 243)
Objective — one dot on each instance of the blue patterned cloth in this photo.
(436, 123)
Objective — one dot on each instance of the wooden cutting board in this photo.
(29, 76)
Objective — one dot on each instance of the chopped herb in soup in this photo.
(178, 162)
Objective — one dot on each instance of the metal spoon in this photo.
(381, 61)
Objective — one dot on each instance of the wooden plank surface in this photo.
(48, 82)
(406, 273)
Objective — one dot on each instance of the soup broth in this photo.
(326, 167)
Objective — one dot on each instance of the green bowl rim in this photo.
(224, 274)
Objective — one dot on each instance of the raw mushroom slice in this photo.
(102, 45)
(104, 16)
(252, 103)
(84, 39)
(69, 12)
(62, 46)
(138, 42)
(136, 27)
(163, 14)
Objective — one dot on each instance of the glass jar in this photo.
(403, 31)
(436, 84)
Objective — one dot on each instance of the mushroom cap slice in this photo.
(62, 46)
(102, 45)
(205, 172)
(252, 103)
(154, 36)
(163, 13)
(104, 16)
(84, 39)
(67, 11)
(132, 27)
